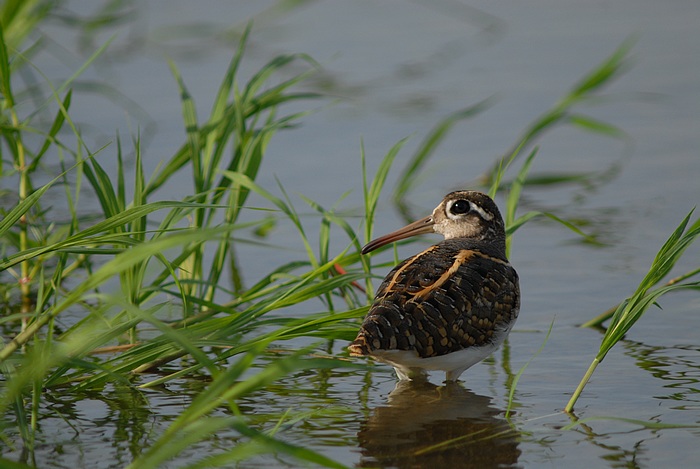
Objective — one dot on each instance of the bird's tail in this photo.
(359, 347)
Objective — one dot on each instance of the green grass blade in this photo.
(189, 115)
(595, 125)
(56, 126)
(632, 309)
(562, 111)
(9, 464)
(13, 216)
(640, 423)
(516, 379)
(605, 72)
(427, 147)
(88, 235)
(118, 264)
(5, 74)
(372, 194)
(224, 390)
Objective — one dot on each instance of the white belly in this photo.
(409, 365)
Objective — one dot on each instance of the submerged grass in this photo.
(141, 258)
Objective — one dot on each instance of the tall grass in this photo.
(162, 253)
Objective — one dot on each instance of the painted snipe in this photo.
(450, 306)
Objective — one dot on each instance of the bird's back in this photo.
(454, 295)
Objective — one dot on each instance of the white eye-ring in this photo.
(459, 207)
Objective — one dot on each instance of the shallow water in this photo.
(399, 67)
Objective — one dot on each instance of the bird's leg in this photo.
(453, 375)
(411, 374)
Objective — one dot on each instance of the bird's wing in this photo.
(444, 299)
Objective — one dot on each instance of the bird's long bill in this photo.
(422, 226)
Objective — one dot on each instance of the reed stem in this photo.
(574, 397)
(24, 185)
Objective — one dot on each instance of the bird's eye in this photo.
(460, 207)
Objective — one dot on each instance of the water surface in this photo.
(398, 67)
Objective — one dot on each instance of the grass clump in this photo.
(162, 255)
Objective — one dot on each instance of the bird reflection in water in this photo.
(424, 425)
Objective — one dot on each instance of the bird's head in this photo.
(461, 214)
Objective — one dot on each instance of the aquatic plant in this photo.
(629, 311)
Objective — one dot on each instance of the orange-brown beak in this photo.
(422, 226)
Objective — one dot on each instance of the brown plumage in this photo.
(451, 305)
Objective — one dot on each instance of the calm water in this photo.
(399, 67)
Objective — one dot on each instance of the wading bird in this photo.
(450, 306)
